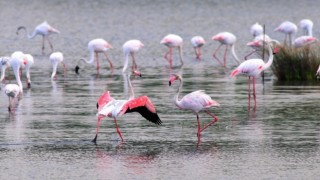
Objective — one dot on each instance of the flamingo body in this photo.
(303, 41)
(256, 29)
(12, 91)
(289, 29)
(131, 47)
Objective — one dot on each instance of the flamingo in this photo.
(96, 46)
(56, 58)
(306, 25)
(257, 44)
(130, 48)
(108, 106)
(4, 63)
(172, 41)
(197, 42)
(252, 68)
(13, 92)
(195, 101)
(256, 30)
(17, 61)
(303, 41)
(43, 29)
(289, 29)
(227, 39)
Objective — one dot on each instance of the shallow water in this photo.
(49, 136)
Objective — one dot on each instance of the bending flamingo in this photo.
(195, 101)
(108, 106)
(197, 42)
(227, 39)
(43, 29)
(289, 29)
(5, 64)
(256, 30)
(257, 45)
(13, 92)
(130, 48)
(96, 46)
(172, 41)
(56, 58)
(306, 25)
(252, 68)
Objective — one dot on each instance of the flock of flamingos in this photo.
(195, 101)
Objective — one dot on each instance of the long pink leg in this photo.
(98, 65)
(214, 55)
(50, 43)
(225, 56)
(212, 122)
(134, 64)
(199, 130)
(110, 63)
(254, 92)
(249, 82)
(246, 57)
(43, 44)
(118, 130)
(97, 131)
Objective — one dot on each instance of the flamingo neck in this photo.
(270, 60)
(91, 58)
(130, 88)
(309, 31)
(17, 75)
(234, 54)
(180, 54)
(126, 62)
(54, 70)
(176, 97)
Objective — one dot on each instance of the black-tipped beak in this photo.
(95, 140)
(169, 83)
(76, 69)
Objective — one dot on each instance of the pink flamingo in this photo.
(131, 47)
(289, 29)
(256, 30)
(172, 41)
(197, 42)
(252, 68)
(108, 106)
(195, 101)
(96, 46)
(56, 58)
(306, 25)
(13, 92)
(227, 39)
(257, 45)
(303, 41)
(43, 29)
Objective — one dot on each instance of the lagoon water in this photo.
(49, 136)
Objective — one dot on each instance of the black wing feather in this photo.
(150, 116)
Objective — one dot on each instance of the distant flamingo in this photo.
(197, 42)
(258, 45)
(43, 29)
(289, 29)
(56, 58)
(13, 92)
(130, 48)
(108, 106)
(306, 25)
(256, 30)
(96, 46)
(172, 41)
(252, 68)
(303, 41)
(227, 39)
(195, 101)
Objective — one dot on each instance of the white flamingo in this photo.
(172, 41)
(56, 58)
(131, 47)
(197, 42)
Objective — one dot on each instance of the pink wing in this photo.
(143, 106)
(103, 100)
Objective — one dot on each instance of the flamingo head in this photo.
(174, 77)
(254, 44)
(108, 46)
(136, 73)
